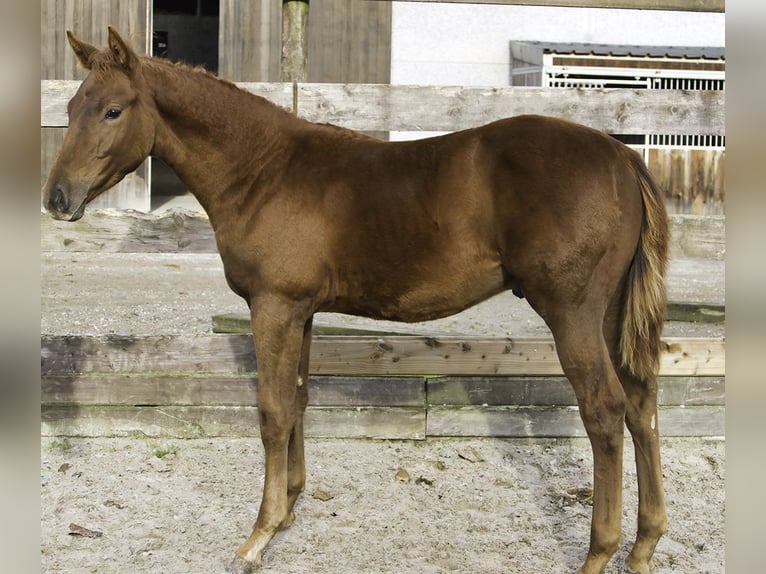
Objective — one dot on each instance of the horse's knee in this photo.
(276, 423)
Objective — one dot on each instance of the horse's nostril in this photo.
(58, 199)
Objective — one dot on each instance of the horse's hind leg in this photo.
(296, 459)
(641, 419)
(585, 359)
(279, 333)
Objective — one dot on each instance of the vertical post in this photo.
(295, 21)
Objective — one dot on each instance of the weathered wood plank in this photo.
(696, 312)
(485, 356)
(180, 230)
(560, 421)
(546, 391)
(189, 389)
(697, 237)
(55, 94)
(437, 108)
(111, 231)
(380, 423)
(193, 422)
(677, 5)
(400, 355)
(156, 354)
(372, 107)
(220, 389)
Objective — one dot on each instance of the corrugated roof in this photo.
(689, 52)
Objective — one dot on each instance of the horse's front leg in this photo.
(278, 328)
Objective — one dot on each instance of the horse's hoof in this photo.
(636, 566)
(240, 566)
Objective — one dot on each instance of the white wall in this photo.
(469, 44)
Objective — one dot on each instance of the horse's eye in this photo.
(112, 113)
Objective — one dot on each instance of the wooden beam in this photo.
(381, 107)
(295, 34)
(675, 5)
(222, 389)
(513, 422)
(400, 355)
(182, 231)
(451, 108)
(55, 94)
(406, 423)
(241, 390)
(545, 391)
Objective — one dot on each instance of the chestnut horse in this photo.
(311, 217)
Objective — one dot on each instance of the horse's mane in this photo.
(103, 63)
(183, 69)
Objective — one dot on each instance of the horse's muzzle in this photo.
(59, 205)
(58, 200)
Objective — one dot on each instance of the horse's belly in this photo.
(424, 298)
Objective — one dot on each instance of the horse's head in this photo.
(111, 128)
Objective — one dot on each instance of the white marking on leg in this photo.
(654, 422)
(300, 381)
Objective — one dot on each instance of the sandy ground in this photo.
(470, 506)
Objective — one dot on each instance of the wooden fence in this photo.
(385, 107)
(373, 387)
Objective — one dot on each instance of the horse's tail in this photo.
(645, 297)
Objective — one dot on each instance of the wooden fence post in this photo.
(295, 19)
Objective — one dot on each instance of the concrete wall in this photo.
(464, 44)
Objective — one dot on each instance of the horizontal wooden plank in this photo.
(375, 422)
(117, 389)
(697, 237)
(224, 390)
(55, 94)
(374, 356)
(183, 231)
(676, 5)
(193, 422)
(696, 312)
(448, 108)
(155, 354)
(383, 107)
(113, 231)
(516, 422)
(486, 356)
(542, 391)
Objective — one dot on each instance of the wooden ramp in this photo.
(402, 387)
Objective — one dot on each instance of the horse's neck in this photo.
(214, 136)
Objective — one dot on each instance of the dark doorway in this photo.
(183, 31)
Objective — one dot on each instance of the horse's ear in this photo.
(122, 53)
(82, 50)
